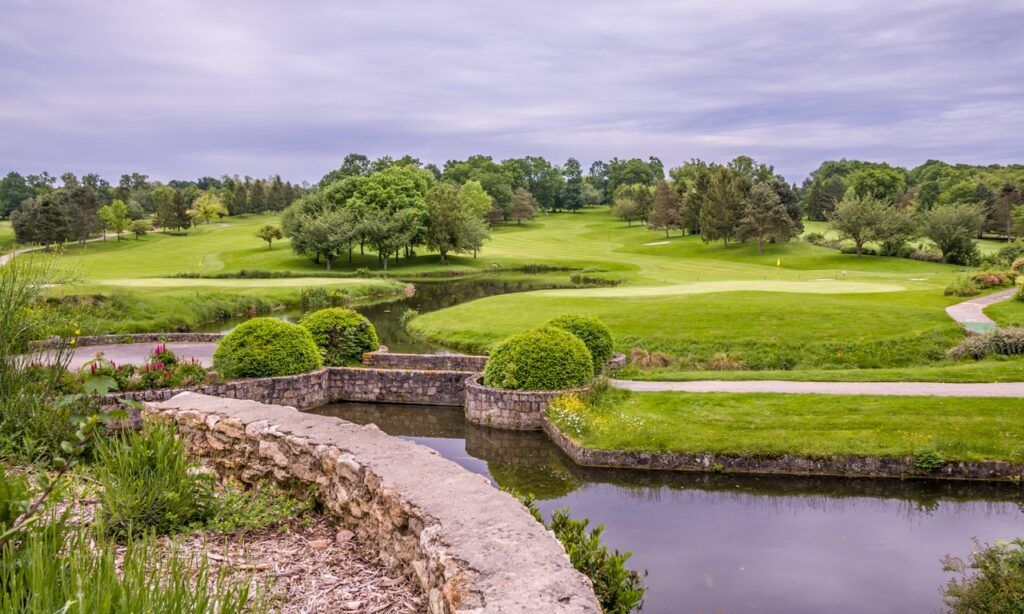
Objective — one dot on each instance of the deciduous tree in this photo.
(666, 214)
(115, 217)
(764, 217)
(857, 218)
(270, 233)
(953, 228)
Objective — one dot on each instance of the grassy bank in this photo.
(1007, 313)
(804, 424)
(181, 306)
(990, 370)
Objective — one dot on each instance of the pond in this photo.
(737, 544)
(430, 295)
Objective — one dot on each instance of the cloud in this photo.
(189, 88)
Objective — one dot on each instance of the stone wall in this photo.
(330, 385)
(787, 464)
(88, 340)
(508, 409)
(469, 547)
(412, 386)
(442, 362)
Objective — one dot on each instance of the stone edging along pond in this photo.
(468, 546)
(520, 410)
(89, 340)
(786, 464)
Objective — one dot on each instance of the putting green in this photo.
(825, 286)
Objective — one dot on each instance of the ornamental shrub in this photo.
(991, 580)
(342, 335)
(542, 359)
(265, 347)
(591, 331)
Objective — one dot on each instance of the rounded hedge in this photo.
(543, 359)
(265, 347)
(342, 334)
(591, 331)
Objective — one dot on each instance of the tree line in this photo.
(43, 212)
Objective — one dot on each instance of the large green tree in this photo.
(953, 228)
(572, 197)
(722, 206)
(765, 217)
(857, 218)
(14, 190)
(115, 217)
(666, 213)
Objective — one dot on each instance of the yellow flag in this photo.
(778, 262)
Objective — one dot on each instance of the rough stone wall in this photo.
(616, 362)
(306, 390)
(88, 340)
(411, 386)
(383, 359)
(470, 547)
(787, 464)
(508, 409)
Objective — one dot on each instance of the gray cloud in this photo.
(187, 88)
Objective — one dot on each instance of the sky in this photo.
(188, 88)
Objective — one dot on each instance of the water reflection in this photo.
(738, 544)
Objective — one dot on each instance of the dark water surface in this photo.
(430, 296)
(738, 545)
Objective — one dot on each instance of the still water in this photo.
(429, 296)
(738, 545)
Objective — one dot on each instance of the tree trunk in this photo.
(444, 255)
(860, 247)
(385, 263)
(329, 260)
(350, 255)
(760, 245)
(666, 232)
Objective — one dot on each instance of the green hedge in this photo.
(265, 347)
(543, 359)
(592, 331)
(342, 334)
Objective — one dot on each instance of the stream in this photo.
(737, 544)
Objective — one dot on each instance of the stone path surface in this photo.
(137, 353)
(908, 389)
(971, 315)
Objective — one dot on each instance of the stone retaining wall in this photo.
(330, 385)
(444, 362)
(788, 464)
(417, 387)
(88, 340)
(508, 409)
(468, 546)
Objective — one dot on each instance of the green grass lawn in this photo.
(813, 425)
(6, 236)
(1007, 313)
(794, 306)
(991, 370)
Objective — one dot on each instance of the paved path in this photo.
(905, 389)
(971, 315)
(137, 353)
(6, 257)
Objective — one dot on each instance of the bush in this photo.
(1003, 341)
(341, 334)
(542, 359)
(996, 585)
(722, 361)
(994, 279)
(592, 331)
(814, 238)
(962, 286)
(926, 256)
(148, 485)
(1018, 265)
(264, 347)
(643, 359)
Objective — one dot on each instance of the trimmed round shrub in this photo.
(543, 359)
(1018, 265)
(592, 331)
(265, 347)
(342, 334)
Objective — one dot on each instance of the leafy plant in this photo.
(991, 581)
(542, 359)
(619, 589)
(644, 359)
(265, 347)
(592, 331)
(247, 509)
(962, 286)
(149, 485)
(928, 460)
(342, 335)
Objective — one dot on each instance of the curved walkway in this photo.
(971, 313)
(137, 353)
(905, 389)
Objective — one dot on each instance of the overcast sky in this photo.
(188, 88)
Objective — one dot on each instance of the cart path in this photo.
(971, 313)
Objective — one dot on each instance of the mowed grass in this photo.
(6, 236)
(813, 425)
(794, 306)
(1007, 313)
(993, 370)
